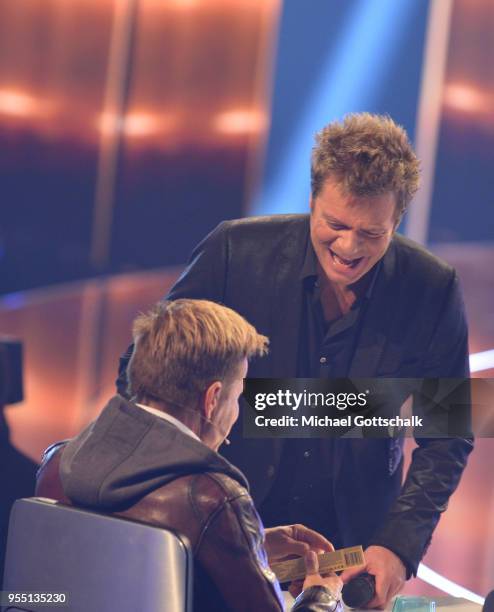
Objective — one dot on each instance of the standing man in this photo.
(339, 294)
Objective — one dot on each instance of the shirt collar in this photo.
(309, 269)
(171, 419)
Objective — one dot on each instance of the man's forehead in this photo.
(338, 189)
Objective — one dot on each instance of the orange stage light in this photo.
(16, 103)
(137, 124)
(466, 98)
(240, 121)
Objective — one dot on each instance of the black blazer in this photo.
(414, 326)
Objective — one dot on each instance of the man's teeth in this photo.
(349, 263)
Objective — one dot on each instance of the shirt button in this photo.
(307, 454)
(322, 360)
(271, 471)
(296, 498)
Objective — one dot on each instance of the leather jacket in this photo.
(216, 513)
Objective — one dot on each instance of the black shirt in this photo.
(303, 490)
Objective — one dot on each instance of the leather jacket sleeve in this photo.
(434, 474)
(232, 553)
(437, 463)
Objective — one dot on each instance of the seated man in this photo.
(155, 459)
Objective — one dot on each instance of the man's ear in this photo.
(312, 204)
(211, 398)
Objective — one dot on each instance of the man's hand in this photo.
(294, 540)
(388, 569)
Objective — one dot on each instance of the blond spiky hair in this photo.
(182, 346)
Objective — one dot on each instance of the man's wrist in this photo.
(318, 594)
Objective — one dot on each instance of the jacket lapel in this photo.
(286, 308)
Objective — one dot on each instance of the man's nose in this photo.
(349, 243)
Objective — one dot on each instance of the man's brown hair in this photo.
(182, 346)
(368, 155)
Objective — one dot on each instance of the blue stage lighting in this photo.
(348, 82)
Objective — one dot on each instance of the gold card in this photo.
(294, 569)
